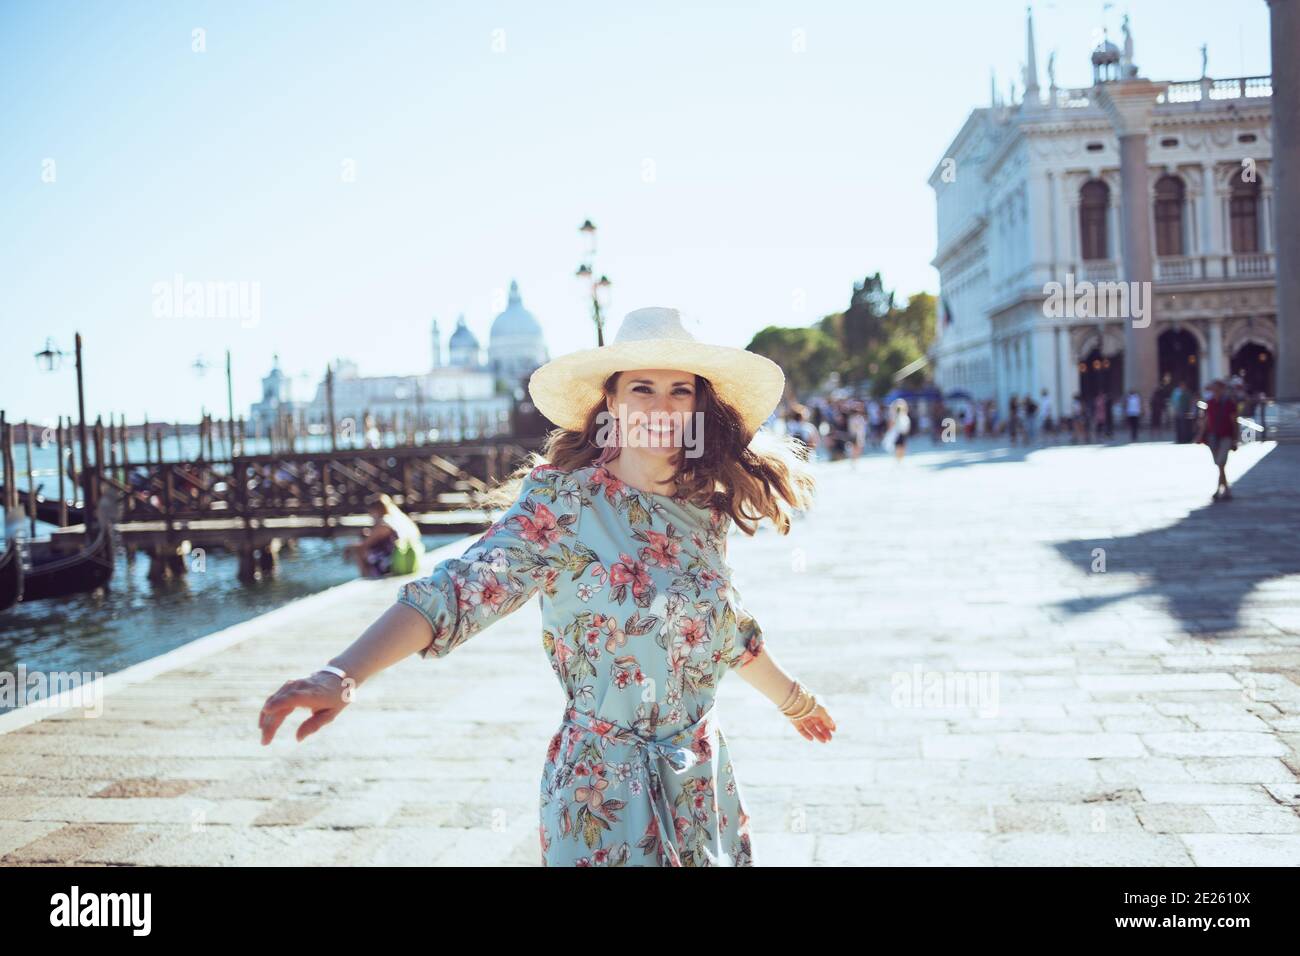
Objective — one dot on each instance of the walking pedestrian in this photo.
(900, 426)
(1133, 411)
(1219, 432)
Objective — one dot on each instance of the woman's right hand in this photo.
(323, 693)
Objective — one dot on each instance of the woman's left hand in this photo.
(818, 725)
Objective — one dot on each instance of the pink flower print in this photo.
(601, 478)
(662, 550)
(599, 573)
(617, 638)
(593, 796)
(488, 592)
(562, 653)
(541, 529)
(601, 856)
(546, 579)
(626, 569)
(694, 634)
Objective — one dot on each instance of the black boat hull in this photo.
(11, 576)
(75, 573)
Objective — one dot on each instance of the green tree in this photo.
(868, 343)
(807, 355)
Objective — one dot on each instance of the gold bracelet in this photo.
(794, 690)
(800, 703)
(798, 713)
(812, 706)
(796, 702)
(806, 706)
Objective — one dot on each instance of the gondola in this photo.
(52, 575)
(11, 575)
(47, 509)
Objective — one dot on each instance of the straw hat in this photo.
(567, 388)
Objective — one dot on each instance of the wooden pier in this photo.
(252, 505)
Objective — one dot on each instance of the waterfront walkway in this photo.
(1134, 651)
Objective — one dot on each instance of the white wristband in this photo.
(338, 672)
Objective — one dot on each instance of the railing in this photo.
(1178, 268)
(1239, 265)
(1071, 99)
(316, 484)
(1250, 264)
(1231, 88)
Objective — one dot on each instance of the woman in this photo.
(391, 546)
(622, 527)
(900, 424)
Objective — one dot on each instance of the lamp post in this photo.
(588, 271)
(49, 359)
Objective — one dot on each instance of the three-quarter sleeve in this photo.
(746, 641)
(522, 553)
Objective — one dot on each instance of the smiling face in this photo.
(656, 404)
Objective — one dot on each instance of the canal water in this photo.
(136, 620)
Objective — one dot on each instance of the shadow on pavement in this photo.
(1207, 564)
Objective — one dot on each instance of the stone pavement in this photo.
(1062, 656)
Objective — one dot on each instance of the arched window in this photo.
(1169, 216)
(1094, 197)
(1243, 210)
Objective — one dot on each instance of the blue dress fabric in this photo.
(640, 621)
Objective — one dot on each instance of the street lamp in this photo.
(588, 271)
(49, 359)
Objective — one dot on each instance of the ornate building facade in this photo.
(1030, 194)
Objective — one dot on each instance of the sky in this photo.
(358, 169)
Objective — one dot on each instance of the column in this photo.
(1284, 25)
(1215, 361)
(1043, 348)
(1211, 223)
(1129, 104)
(1067, 370)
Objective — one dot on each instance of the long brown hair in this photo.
(748, 477)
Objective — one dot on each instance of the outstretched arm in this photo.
(766, 676)
(519, 555)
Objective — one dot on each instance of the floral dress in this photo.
(640, 622)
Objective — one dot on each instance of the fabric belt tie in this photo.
(674, 751)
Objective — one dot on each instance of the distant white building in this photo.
(276, 403)
(1029, 193)
(467, 397)
(516, 346)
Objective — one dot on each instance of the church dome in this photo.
(1106, 52)
(462, 338)
(515, 321)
